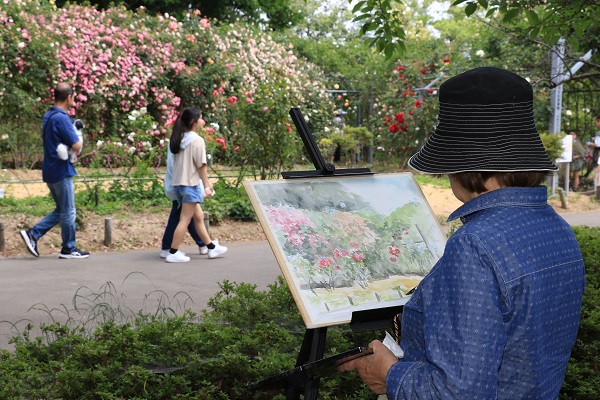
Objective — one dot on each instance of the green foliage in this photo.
(280, 14)
(133, 70)
(21, 143)
(378, 17)
(26, 61)
(247, 336)
(37, 206)
(351, 141)
(436, 180)
(327, 148)
(547, 21)
(263, 136)
(143, 142)
(137, 190)
(553, 145)
(583, 377)
(229, 202)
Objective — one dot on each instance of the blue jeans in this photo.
(172, 224)
(64, 197)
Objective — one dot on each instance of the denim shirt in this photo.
(57, 128)
(497, 316)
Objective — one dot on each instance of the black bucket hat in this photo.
(485, 123)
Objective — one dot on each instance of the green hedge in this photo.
(583, 372)
(247, 335)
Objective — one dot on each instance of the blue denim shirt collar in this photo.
(511, 196)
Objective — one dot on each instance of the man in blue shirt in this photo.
(497, 316)
(57, 128)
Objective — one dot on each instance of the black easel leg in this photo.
(313, 348)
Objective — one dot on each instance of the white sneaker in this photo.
(165, 253)
(203, 250)
(178, 257)
(217, 251)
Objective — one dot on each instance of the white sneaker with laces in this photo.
(217, 251)
(165, 253)
(178, 257)
(203, 250)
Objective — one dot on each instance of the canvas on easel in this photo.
(348, 243)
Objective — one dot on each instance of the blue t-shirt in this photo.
(57, 128)
(497, 316)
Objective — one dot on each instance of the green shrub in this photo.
(583, 372)
(229, 202)
(553, 144)
(245, 336)
(249, 335)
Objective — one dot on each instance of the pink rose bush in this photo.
(120, 62)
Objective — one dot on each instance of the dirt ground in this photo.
(145, 230)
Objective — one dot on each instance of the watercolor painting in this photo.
(348, 243)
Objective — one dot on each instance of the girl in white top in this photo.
(190, 182)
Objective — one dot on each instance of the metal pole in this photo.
(558, 67)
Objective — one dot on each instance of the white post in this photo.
(558, 67)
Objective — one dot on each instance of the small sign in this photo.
(567, 153)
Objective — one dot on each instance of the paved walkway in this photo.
(137, 280)
(32, 287)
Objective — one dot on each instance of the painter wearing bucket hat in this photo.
(485, 123)
(482, 323)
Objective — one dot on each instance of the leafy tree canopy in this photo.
(542, 21)
(278, 14)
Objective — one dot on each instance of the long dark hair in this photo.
(184, 123)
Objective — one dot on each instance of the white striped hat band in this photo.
(485, 123)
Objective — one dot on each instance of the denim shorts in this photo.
(188, 194)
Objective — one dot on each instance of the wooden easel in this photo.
(298, 380)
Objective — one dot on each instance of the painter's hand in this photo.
(373, 368)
